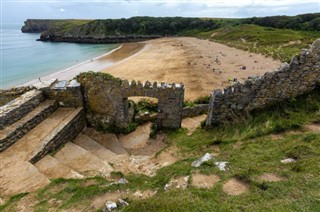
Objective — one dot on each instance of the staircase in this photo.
(31, 127)
(26, 143)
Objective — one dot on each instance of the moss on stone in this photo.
(90, 75)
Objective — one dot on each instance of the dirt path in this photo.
(190, 61)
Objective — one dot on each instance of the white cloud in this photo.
(102, 9)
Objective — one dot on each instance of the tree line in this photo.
(308, 22)
(148, 25)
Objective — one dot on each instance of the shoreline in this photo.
(71, 72)
(186, 60)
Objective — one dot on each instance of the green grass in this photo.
(249, 149)
(67, 25)
(281, 44)
(10, 204)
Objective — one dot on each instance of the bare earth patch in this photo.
(136, 139)
(143, 194)
(192, 123)
(26, 204)
(276, 136)
(99, 201)
(204, 181)
(235, 187)
(147, 165)
(180, 182)
(313, 127)
(270, 177)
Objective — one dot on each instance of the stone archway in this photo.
(106, 100)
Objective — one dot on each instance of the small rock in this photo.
(201, 160)
(138, 194)
(110, 206)
(122, 181)
(288, 160)
(123, 203)
(221, 165)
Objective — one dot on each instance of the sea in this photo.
(24, 59)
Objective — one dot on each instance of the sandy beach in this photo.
(192, 62)
(95, 64)
(201, 65)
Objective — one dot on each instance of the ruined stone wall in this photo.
(67, 94)
(7, 95)
(195, 110)
(290, 80)
(13, 134)
(61, 135)
(19, 107)
(106, 100)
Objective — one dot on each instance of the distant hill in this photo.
(309, 22)
(267, 35)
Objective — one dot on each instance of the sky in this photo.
(17, 11)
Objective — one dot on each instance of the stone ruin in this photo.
(105, 99)
(236, 102)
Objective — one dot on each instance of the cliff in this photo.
(119, 30)
(36, 25)
(51, 25)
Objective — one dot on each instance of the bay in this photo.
(24, 59)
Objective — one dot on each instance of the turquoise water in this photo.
(23, 58)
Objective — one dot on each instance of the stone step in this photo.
(25, 147)
(138, 138)
(108, 140)
(53, 168)
(95, 148)
(15, 131)
(16, 173)
(20, 176)
(82, 161)
(19, 107)
(66, 131)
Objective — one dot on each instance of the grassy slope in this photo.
(63, 26)
(250, 151)
(279, 43)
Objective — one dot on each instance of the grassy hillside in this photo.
(279, 43)
(67, 25)
(251, 148)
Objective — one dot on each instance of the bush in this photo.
(146, 105)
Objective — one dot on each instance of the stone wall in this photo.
(19, 107)
(7, 95)
(290, 80)
(195, 110)
(11, 135)
(106, 100)
(63, 134)
(67, 94)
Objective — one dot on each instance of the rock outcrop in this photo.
(36, 25)
(99, 40)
